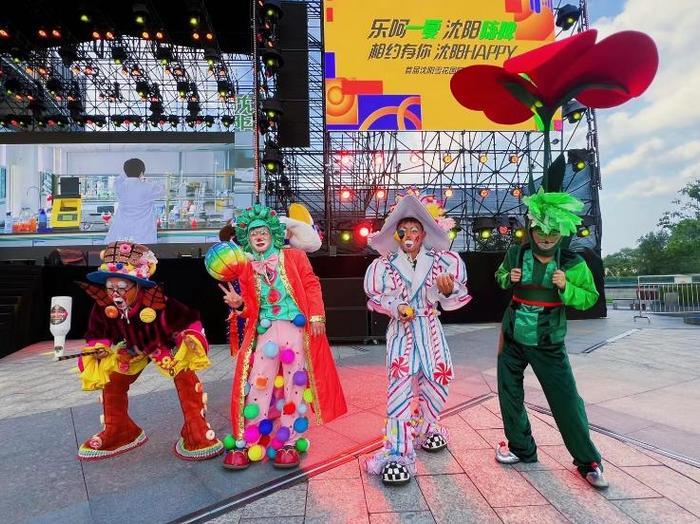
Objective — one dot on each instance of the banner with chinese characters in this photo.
(388, 63)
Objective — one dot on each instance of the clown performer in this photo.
(545, 277)
(284, 368)
(414, 274)
(131, 324)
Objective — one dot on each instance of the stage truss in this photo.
(350, 179)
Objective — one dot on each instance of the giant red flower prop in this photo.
(603, 74)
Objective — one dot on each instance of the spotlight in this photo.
(164, 55)
(145, 35)
(345, 236)
(578, 158)
(516, 192)
(483, 227)
(272, 9)
(160, 35)
(141, 13)
(209, 121)
(211, 56)
(380, 194)
(43, 33)
(224, 88)
(567, 16)
(174, 120)
(519, 233)
(583, 231)
(195, 36)
(136, 72)
(272, 108)
(96, 35)
(483, 158)
(483, 193)
(345, 194)
(193, 108)
(119, 55)
(272, 159)
(209, 36)
(109, 35)
(449, 192)
(182, 88)
(514, 159)
(503, 230)
(56, 33)
(156, 108)
(227, 121)
(85, 17)
(142, 89)
(194, 19)
(573, 111)
(452, 234)
(272, 59)
(447, 158)
(54, 86)
(363, 230)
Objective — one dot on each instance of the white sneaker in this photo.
(595, 478)
(504, 455)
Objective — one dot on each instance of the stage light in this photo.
(96, 35)
(483, 158)
(160, 35)
(56, 33)
(54, 86)
(272, 108)
(415, 158)
(514, 159)
(519, 233)
(452, 234)
(583, 231)
(141, 13)
(142, 89)
(195, 36)
(272, 59)
(194, 19)
(164, 55)
(146, 35)
(272, 9)
(345, 194)
(567, 16)
(193, 108)
(484, 234)
(503, 230)
(449, 192)
(272, 159)
(182, 88)
(227, 121)
(483, 193)
(380, 194)
(211, 56)
(209, 121)
(516, 192)
(483, 227)
(136, 72)
(573, 111)
(578, 158)
(89, 70)
(363, 230)
(209, 36)
(4, 33)
(173, 120)
(119, 55)
(156, 107)
(345, 236)
(224, 88)
(42, 33)
(84, 18)
(447, 158)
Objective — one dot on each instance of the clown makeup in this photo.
(122, 292)
(544, 241)
(411, 235)
(260, 239)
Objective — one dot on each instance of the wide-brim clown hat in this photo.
(409, 207)
(300, 225)
(134, 262)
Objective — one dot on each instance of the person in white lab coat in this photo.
(135, 219)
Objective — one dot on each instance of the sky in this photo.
(650, 147)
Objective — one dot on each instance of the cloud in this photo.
(636, 158)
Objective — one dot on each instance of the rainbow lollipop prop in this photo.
(225, 261)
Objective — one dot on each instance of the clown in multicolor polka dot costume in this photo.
(285, 375)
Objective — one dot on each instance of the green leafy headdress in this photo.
(259, 216)
(554, 212)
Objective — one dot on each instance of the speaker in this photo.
(345, 324)
(378, 325)
(344, 293)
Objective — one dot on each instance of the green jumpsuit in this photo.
(534, 328)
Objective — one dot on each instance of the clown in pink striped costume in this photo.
(413, 276)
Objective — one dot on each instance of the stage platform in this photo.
(44, 417)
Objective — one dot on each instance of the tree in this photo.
(624, 263)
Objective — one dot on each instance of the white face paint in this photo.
(411, 237)
(260, 239)
(122, 291)
(545, 242)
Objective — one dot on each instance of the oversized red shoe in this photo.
(120, 433)
(286, 458)
(236, 459)
(198, 441)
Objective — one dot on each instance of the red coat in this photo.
(304, 287)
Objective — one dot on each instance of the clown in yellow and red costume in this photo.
(131, 324)
(285, 376)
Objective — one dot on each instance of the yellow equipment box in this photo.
(66, 212)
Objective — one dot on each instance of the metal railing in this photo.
(667, 294)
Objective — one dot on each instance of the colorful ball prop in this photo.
(287, 356)
(251, 434)
(280, 404)
(261, 330)
(265, 426)
(282, 434)
(308, 395)
(271, 453)
(300, 378)
(289, 408)
(246, 388)
(302, 445)
(251, 411)
(270, 349)
(276, 444)
(299, 320)
(264, 440)
(111, 312)
(240, 444)
(266, 323)
(256, 453)
(225, 261)
(279, 381)
(302, 408)
(301, 424)
(229, 442)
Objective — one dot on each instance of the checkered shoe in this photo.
(434, 442)
(395, 474)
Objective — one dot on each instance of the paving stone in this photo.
(624, 486)
(409, 517)
(360, 427)
(655, 511)
(336, 501)
(384, 499)
(233, 517)
(462, 436)
(574, 498)
(619, 453)
(437, 463)
(500, 485)
(350, 470)
(544, 462)
(671, 484)
(287, 502)
(479, 417)
(454, 498)
(529, 515)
